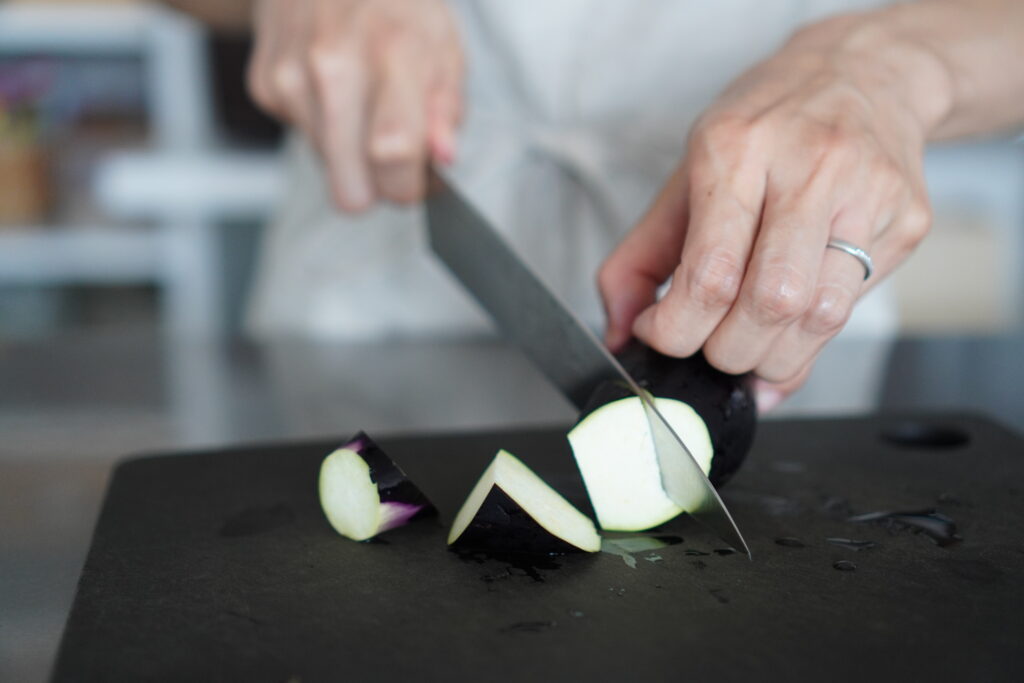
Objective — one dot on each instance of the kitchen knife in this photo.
(571, 356)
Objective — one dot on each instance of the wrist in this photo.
(887, 62)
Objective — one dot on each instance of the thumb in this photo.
(629, 278)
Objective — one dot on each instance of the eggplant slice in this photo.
(512, 510)
(364, 493)
(712, 412)
(615, 454)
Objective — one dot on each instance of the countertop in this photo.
(71, 406)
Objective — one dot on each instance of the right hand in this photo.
(374, 84)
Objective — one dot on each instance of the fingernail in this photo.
(768, 399)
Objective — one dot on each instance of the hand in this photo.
(374, 84)
(818, 142)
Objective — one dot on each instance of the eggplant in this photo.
(512, 510)
(364, 493)
(714, 413)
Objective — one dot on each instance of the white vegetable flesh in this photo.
(615, 454)
(542, 503)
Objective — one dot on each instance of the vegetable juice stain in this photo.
(626, 547)
(526, 564)
(935, 525)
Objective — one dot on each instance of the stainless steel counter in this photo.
(70, 407)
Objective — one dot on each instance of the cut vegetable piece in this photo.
(364, 493)
(616, 457)
(712, 412)
(512, 510)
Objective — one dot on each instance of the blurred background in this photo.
(135, 178)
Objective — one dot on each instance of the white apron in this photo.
(577, 112)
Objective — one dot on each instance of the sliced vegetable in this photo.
(512, 510)
(712, 412)
(364, 493)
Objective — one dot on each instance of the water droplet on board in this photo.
(935, 525)
(844, 566)
(790, 542)
(725, 551)
(694, 551)
(851, 544)
(718, 595)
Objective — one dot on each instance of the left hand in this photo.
(819, 142)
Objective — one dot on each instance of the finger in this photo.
(276, 77)
(840, 284)
(397, 125)
(629, 278)
(340, 84)
(901, 236)
(444, 111)
(722, 226)
(769, 395)
(780, 277)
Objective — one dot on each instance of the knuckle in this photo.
(391, 145)
(331, 65)
(667, 335)
(830, 310)
(715, 282)
(918, 220)
(287, 78)
(779, 296)
(835, 146)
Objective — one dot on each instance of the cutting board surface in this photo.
(220, 566)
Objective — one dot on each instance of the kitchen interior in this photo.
(135, 181)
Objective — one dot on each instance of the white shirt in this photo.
(576, 113)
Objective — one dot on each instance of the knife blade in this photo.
(531, 315)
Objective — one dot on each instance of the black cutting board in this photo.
(220, 566)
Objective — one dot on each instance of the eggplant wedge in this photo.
(512, 510)
(364, 493)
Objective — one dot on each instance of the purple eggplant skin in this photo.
(502, 526)
(393, 485)
(725, 402)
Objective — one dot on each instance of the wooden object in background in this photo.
(24, 182)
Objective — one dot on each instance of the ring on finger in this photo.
(856, 252)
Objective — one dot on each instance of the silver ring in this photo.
(856, 252)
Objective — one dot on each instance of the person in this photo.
(786, 139)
